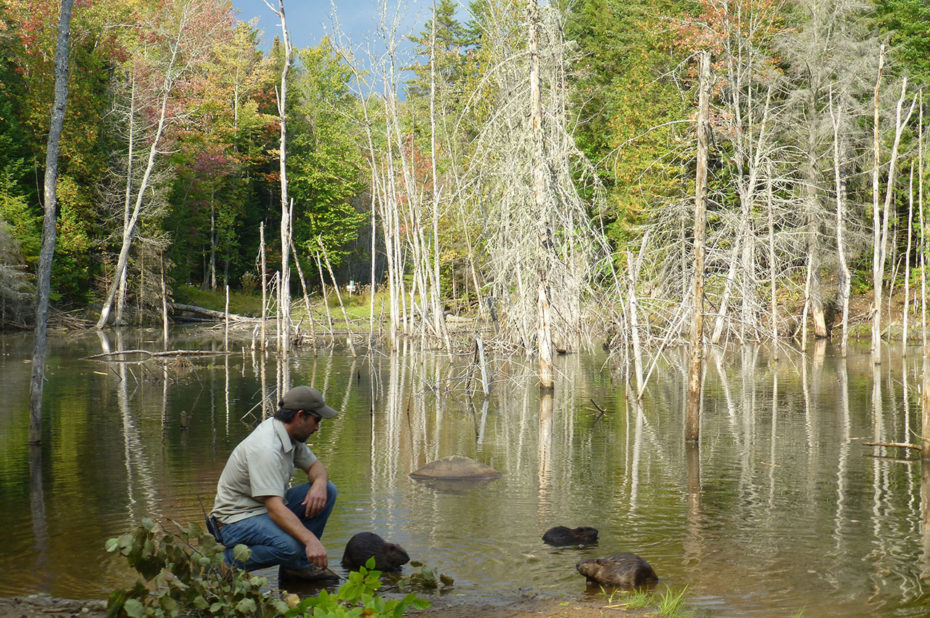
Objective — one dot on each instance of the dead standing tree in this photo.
(544, 232)
(827, 56)
(881, 214)
(746, 112)
(521, 197)
(284, 289)
(762, 120)
(185, 36)
(693, 414)
(48, 227)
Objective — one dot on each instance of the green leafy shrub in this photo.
(249, 282)
(185, 575)
(357, 597)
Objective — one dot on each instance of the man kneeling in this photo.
(254, 506)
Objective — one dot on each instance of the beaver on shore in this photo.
(561, 536)
(623, 570)
(364, 545)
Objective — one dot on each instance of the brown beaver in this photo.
(623, 569)
(364, 545)
(561, 536)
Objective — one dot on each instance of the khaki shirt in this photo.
(261, 465)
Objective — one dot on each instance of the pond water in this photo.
(782, 509)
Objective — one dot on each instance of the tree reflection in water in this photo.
(778, 508)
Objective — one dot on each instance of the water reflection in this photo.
(780, 508)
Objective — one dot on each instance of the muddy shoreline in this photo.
(44, 605)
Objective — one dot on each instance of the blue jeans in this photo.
(270, 544)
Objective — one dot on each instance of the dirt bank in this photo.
(43, 605)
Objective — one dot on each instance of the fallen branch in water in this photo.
(602, 411)
(893, 444)
(120, 356)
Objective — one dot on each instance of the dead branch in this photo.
(894, 445)
(121, 356)
(210, 313)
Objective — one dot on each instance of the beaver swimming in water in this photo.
(364, 545)
(623, 570)
(561, 536)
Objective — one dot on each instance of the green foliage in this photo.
(625, 99)
(907, 22)
(667, 603)
(356, 597)
(671, 603)
(325, 159)
(25, 225)
(185, 574)
(246, 302)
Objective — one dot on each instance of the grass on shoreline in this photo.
(357, 306)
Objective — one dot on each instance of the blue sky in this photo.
(309, 20)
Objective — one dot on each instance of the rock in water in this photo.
(561, 536)
(622, 570)
(455, 467)
(365, 545)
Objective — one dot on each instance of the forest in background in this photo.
(510, 152)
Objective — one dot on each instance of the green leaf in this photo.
(242, 552)
(246, 607)
(133, 608)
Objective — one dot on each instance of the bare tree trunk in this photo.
(303, 286)
(813, 227)
(438, 317)
(345, 316)
(212, 239)
(164, 305)
(907, 261)
(840, 190)
(881, 251)
(261, 250)
(226, 324)
(923, 241)
(329, 316)
(925, 382)
(47, 253)
(876, 220)
(727, 290)
(543, 317)
(769, 200)
(284, 289)
(696, 360)
(634, 324)
(374, 254)
(127, 200)
(807, 303)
